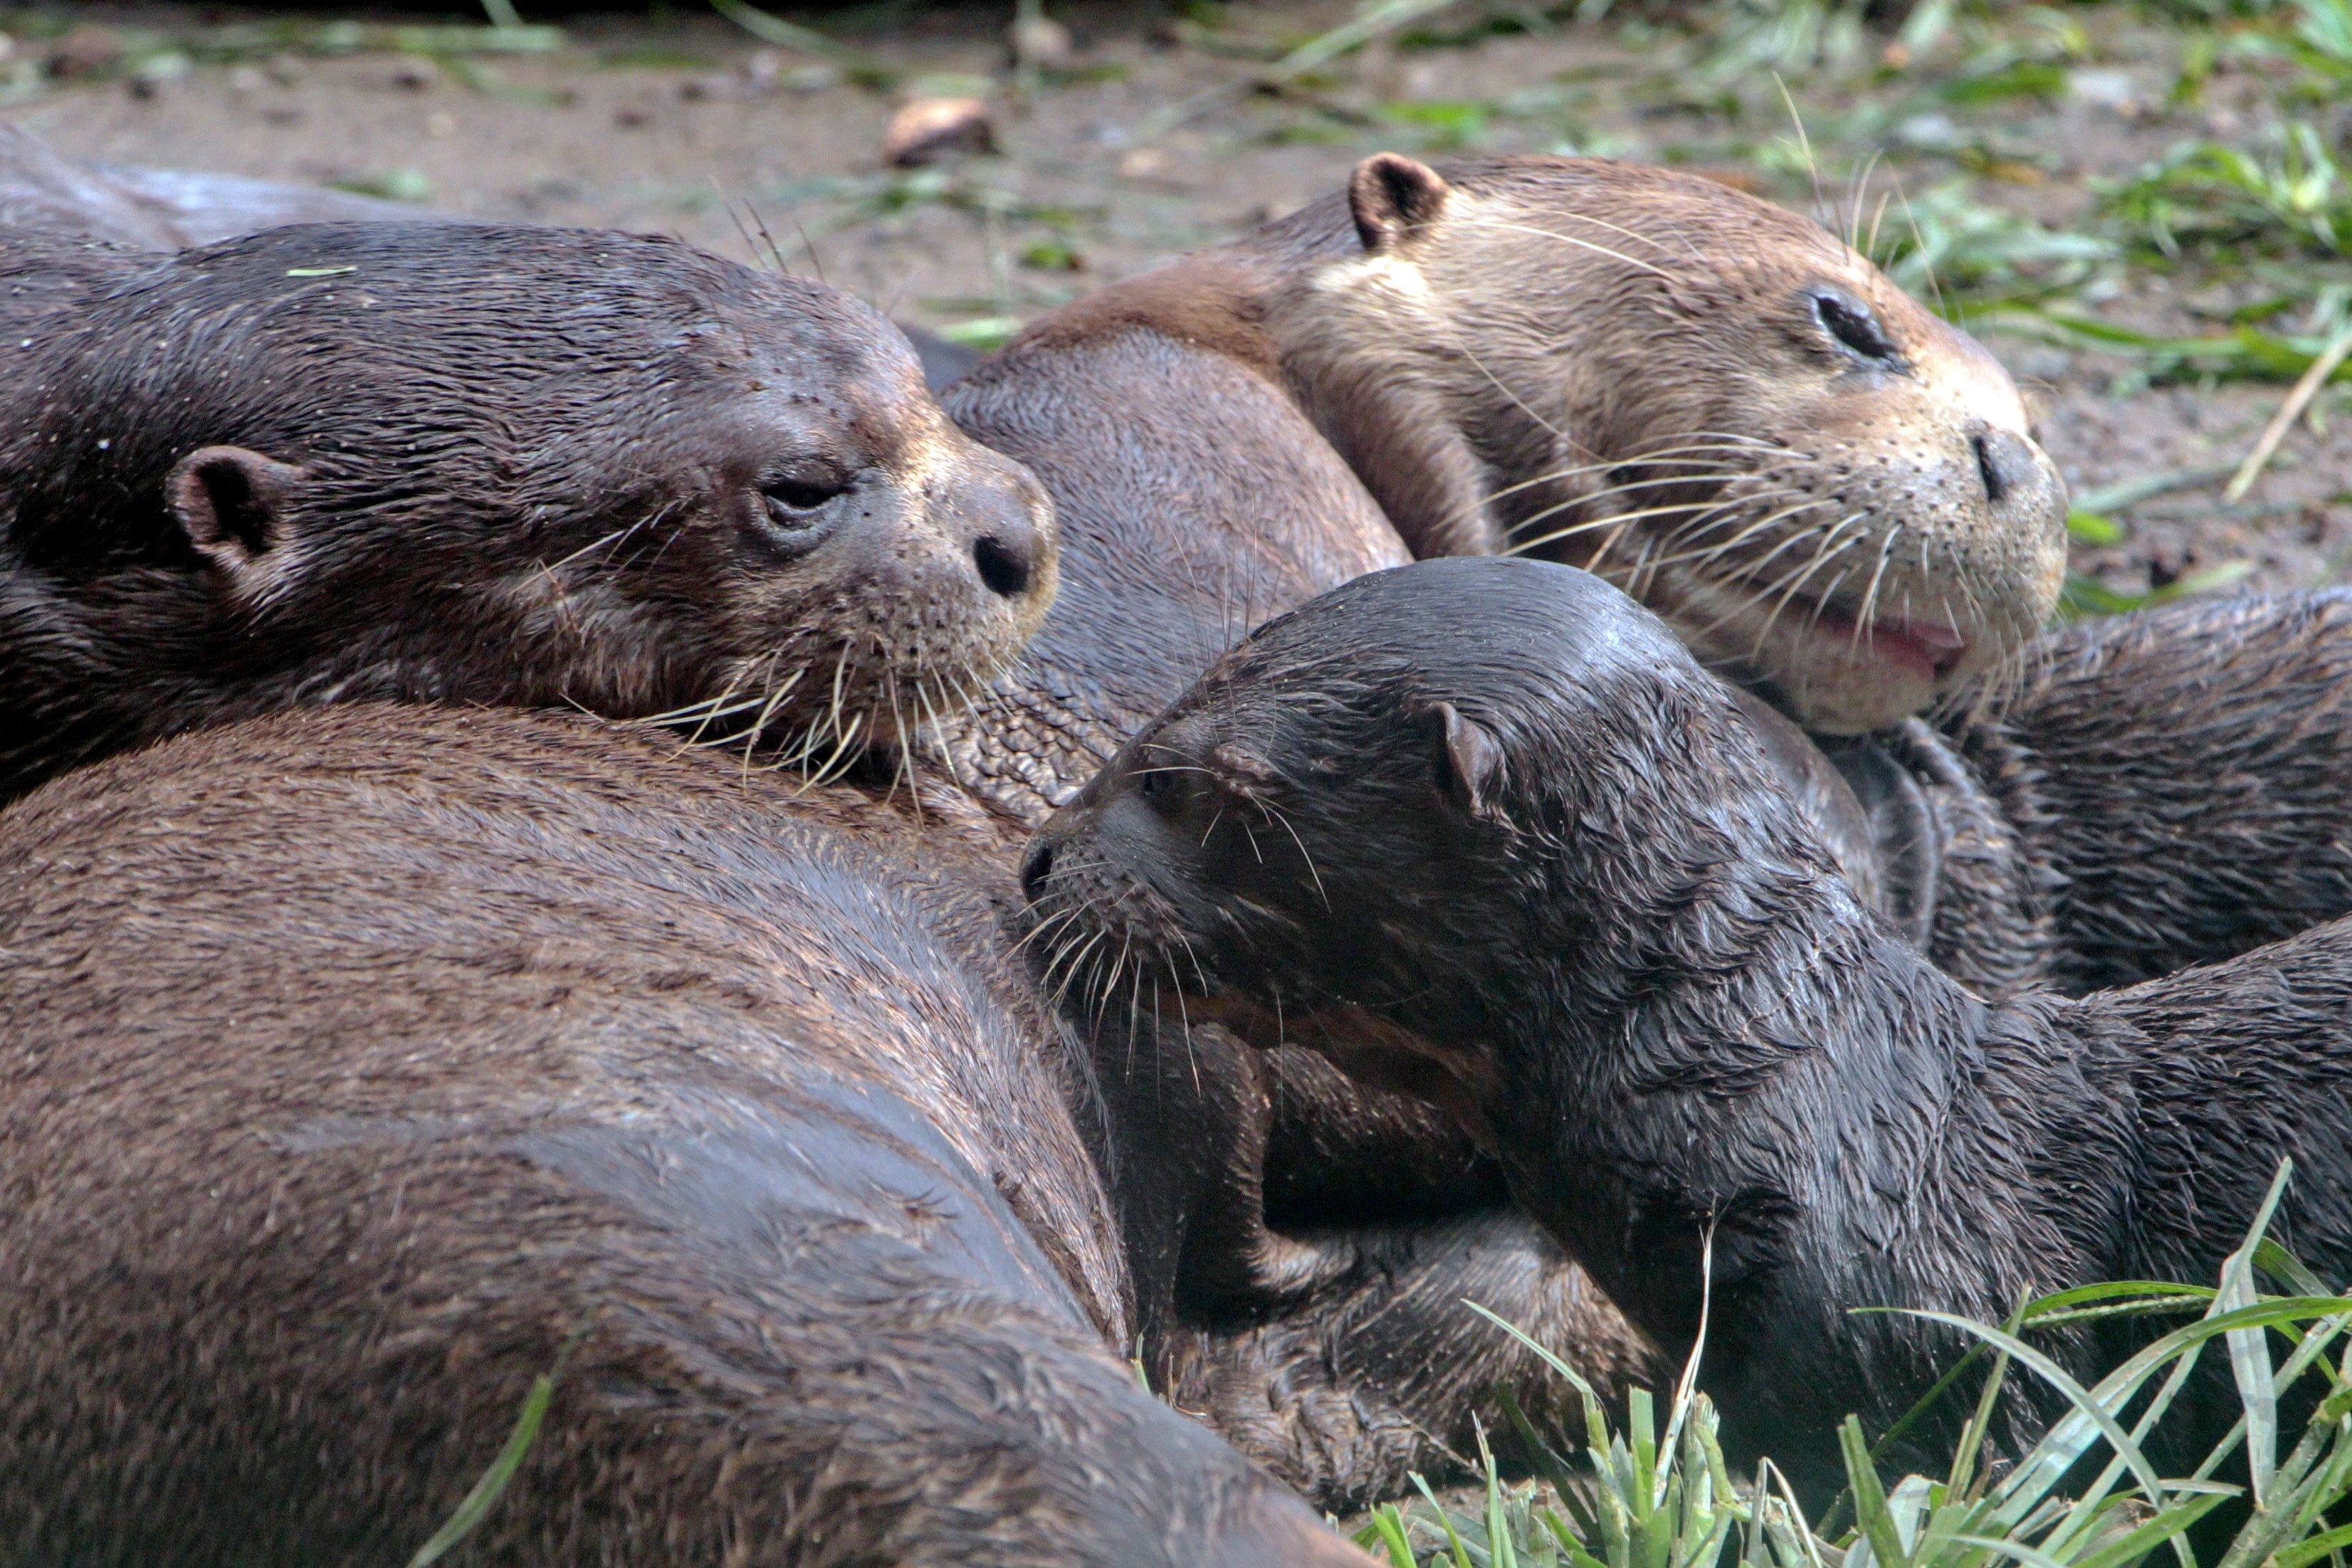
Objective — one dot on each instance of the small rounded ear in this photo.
(1391, 195)
(1467, 757)
(232, 504)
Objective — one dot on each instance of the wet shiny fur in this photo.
(1568, 898)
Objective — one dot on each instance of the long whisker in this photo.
(1616, 519)
(1692, 455)
(1585, 244)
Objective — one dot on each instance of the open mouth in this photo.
(1927, 649)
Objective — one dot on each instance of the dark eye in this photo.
(1852, 324)
(803, 487)
(1163, 789)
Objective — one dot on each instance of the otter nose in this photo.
(1007, 521)
(2006, 461)
(1035, 867)
(1007, 557)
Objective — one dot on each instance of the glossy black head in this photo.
(1436, 795)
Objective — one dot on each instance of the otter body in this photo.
(1568, 898)
(365, 1065)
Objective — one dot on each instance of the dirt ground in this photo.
(684, 124)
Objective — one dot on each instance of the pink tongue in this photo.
(1925, 648)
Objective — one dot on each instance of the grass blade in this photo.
(494, 1480)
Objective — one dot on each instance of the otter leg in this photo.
(2187, 771)
(1387, 1372)
(1303, 1249)
(1191, 1111)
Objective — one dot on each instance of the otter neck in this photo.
(1345, 335)
(63, 702)
(1754, 1081)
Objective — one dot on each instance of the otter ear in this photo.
(1466, 755)
(1391, 195)
(232, 504)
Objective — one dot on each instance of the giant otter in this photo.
(1546, 878)
(363, 1065)
(537, 467)
(1319, 1356)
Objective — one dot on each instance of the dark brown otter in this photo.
(1546, 878)
(363, 1065)
(536, 467)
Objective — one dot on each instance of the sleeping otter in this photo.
(542, 467)
(363, 1065)
(1546, 878)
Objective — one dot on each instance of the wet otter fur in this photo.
(1963, 836)
(365, 1065)
(1565, 895)
(540, 467)
(181, 682)
(1195, 499)
(1174, 418)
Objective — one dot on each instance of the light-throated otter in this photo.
(1546, 878)
(1827, 490)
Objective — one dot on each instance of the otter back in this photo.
(363, 1066)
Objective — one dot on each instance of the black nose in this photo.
(1007, 565)
(2005, 463)
(1035, 869)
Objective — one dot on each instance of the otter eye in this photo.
(1852, 324)
(1163, 789)
(802, 487)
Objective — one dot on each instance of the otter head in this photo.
(1435, 824)
(1828, 491)
(508, 466)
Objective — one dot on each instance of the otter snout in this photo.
(1012, 548)
(1000, 525)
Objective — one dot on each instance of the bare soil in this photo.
(685, 125)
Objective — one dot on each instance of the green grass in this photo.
(1638, 1497)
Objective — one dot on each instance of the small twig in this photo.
(2125, 493)
(2297, 400)
(786, 35)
